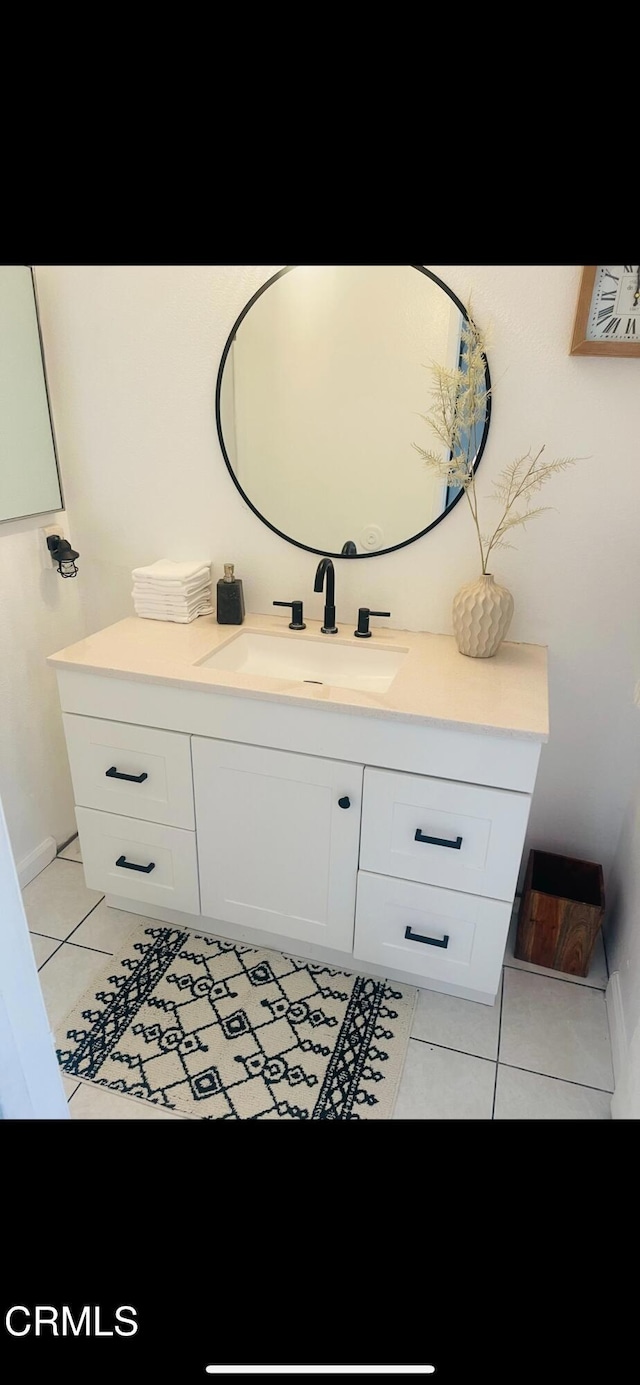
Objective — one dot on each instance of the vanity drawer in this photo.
(462, 836)
(456, 938)
(134, 770)
(113, 846)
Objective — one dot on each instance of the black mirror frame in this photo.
(378, 552)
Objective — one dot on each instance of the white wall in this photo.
(133, 354)
(623, 913)
(39, 612)
(623, 953)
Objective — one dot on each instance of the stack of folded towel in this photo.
(172, 591)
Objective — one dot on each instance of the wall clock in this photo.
(608, 313)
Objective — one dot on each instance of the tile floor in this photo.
(541, 1053)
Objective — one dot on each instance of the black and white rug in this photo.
(223, 1031)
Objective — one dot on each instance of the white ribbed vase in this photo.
(482, 613)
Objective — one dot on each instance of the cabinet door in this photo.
(278, 840)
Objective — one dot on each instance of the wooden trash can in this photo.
(561, 911)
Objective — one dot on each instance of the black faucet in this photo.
(326, 566)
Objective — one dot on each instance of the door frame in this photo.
(30, 1080)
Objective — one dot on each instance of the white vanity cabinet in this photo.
(333, 826)
(278, 840)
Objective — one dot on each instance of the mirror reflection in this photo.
(29, 480)
(320, 394)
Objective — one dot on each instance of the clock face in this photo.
(614, 314)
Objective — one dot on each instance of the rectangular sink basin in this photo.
(309, 661)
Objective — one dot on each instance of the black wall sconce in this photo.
(63, 554)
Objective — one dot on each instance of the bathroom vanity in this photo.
(357, 802)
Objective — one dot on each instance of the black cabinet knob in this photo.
(344, 802)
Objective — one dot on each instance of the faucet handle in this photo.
(363, 632)
(296, 622)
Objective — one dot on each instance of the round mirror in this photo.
(320, 398)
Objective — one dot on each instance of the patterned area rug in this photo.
(223, 1031)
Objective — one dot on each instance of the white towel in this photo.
(171, 597)
(174, 588)
(171, 593)
(185, 608)
(204, 575)
(166, 571)
(177, 603)
(171, 608)
(175, 619)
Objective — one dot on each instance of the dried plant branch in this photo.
(459, 406)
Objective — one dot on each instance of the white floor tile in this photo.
(108, 929)
(42, 947)
(58, 899)
(71, 852)
(438, 1084)
(527, 1096)
(598, 974)
(65, 978)
(455, 1023)
(555, 1028)
(96, 1103)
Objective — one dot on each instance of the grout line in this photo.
(584, 985)
(80, 947)
(608, 1091)
(73, 860)
(449, 1049)
(52, 954)
(60, 941)
(499, 1062)
(495, 1085)
(83, 920)
(84, 947)
(34, 932)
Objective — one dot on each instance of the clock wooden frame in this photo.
(580, 345)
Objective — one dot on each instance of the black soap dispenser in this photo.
(230, 598)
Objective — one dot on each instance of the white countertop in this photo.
(437, 686)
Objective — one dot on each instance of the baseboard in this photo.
(617, 1029)
(31, 865)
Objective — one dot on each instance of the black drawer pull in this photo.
(129, 865)
(433, 942)
(438, 841)
(114, 773)
(344, 802)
